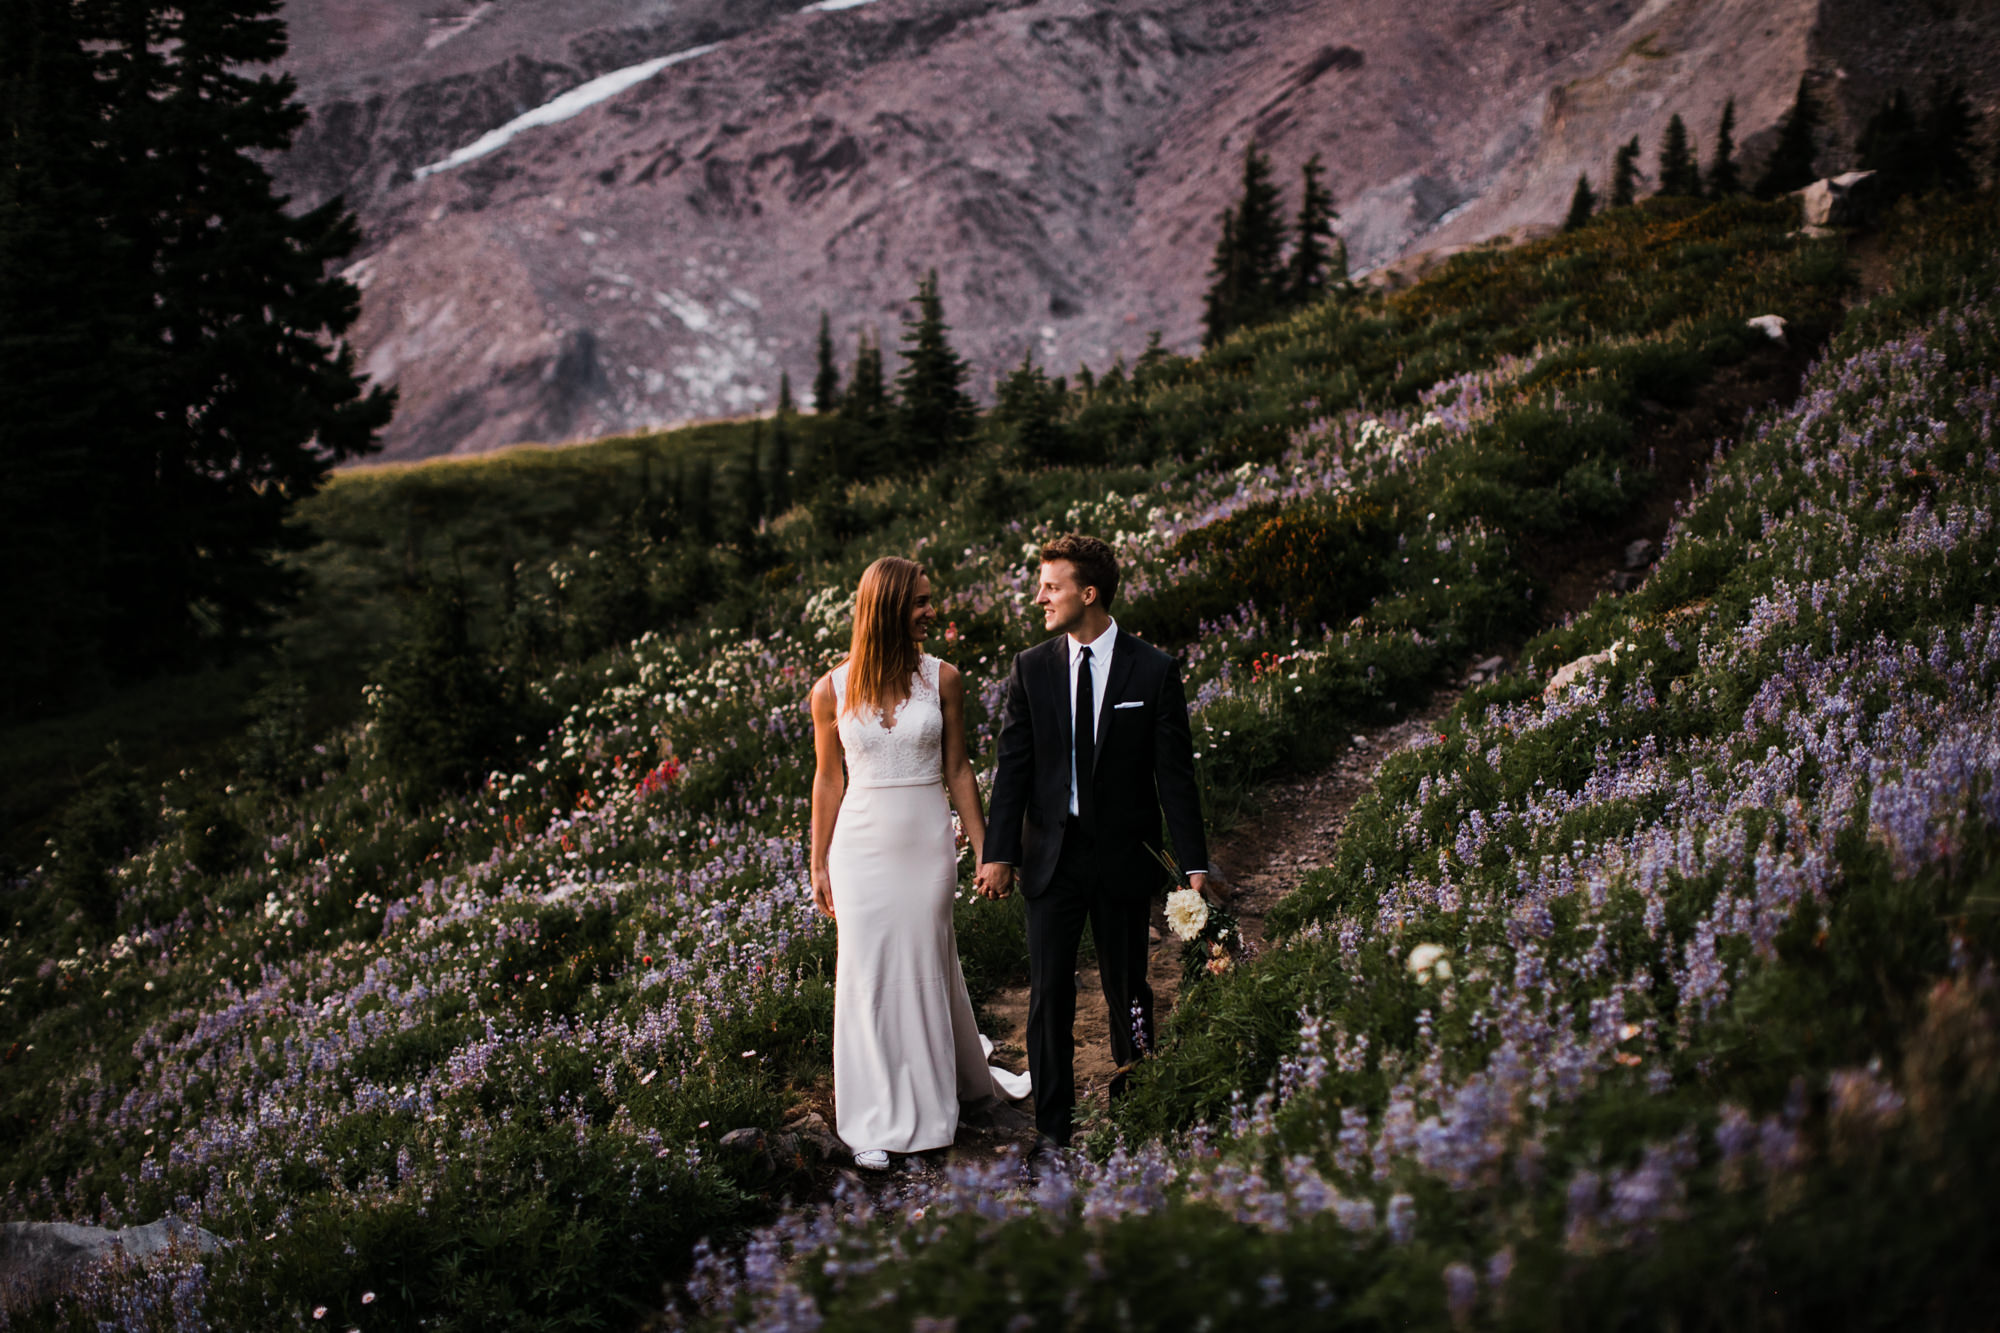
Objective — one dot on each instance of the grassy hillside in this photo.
(1659, 990)
(465, 1049)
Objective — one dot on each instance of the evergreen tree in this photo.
(698, 499)
(935, 415)
(1791, 164)
(1153, 360)
(1679, 176)
(1582, 203)
(826, 378)
(781, 448)
(1723, 177)
(1028, 414)
(750, 489)
(1625, 174)
(1307, 276)
(66, 337)
(1947, 139)
(1890, 148)
(1247, 284)
(1219, 304)
(859, 444)
(218, 390)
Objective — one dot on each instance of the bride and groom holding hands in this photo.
(1094, 751)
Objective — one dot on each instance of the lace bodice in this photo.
(909, 749)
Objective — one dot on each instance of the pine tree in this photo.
(860, 445)
(826, 378)
(1723, 177)
(750, 487)
(866, 402)
(698, 499)
(1947, 139)
(781, 448)
(1028, 414)
(224, 389)
(935, 415)
(1625, 174)
(256, 394)
(1247, 284)
(1679, 176)
(1889, 146)
(65, 341)
(1154, 359)
(1225, 288)
(1791, 164)
(1307, 276)
(1582, 203)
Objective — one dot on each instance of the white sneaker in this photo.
(872, 1159)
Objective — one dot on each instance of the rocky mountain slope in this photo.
(660, 246)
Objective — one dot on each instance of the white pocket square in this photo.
(1133, 703)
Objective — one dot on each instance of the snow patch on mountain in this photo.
(572, 103)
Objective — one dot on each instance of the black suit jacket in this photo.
(1144, 767)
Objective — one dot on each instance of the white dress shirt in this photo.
(1100, 677)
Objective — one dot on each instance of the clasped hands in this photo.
(995, 881)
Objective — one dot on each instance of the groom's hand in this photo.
(995, 880)
(1198, 881)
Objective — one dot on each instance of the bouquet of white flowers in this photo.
(1211, 940)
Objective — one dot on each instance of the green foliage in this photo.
(826, 377)
(1678, 174)
(112, 818)
(934, 414)
(1625, 174)
(1791, 163)
(137, 218)
(1246, 278)
(1915, 154)
(1724, 179)
(1582, 203)
(1313, 269)
(641, 652)
(1028, 415)
(441, 713)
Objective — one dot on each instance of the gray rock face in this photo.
(37, 1256)
(665, 252)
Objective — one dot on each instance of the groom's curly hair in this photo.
(1096, 564)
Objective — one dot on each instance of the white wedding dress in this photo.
(906, 1051)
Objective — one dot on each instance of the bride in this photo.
(906, 1052)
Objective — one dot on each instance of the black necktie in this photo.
(1086, 740)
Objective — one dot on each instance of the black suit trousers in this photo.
(1118, 927)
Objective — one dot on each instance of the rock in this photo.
(1773, 326)
(1847, 200)
(1492, 666)
(1624, 580)
(813, 1133)
(35, 1256)
(1638, 554)
(1569, 672)
(747, 1139)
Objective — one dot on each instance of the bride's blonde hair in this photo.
(884, 656)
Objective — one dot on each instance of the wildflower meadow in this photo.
(1666, 988)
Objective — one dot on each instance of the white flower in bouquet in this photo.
(1187, 913)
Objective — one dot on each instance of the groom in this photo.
(1094, 744)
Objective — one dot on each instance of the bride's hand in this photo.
(822, 884)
